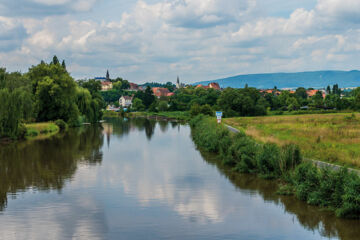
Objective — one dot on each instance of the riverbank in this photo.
(41, 130)
(337, 191)
(332, 138)
(178, 115)
(183, 116)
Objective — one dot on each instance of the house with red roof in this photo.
(134, 87)
(313, 92)
(160, 92)
(213, 85)
(105, 86)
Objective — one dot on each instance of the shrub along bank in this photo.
(36, 130)
(335, 190)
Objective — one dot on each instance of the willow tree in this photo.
(55, 93)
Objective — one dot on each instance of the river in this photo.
(141, 179)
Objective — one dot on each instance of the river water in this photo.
(141, 179)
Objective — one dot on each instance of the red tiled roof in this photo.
(106, 83)
(312, 93)
(160, 92)
(133, 86)
(214, 86)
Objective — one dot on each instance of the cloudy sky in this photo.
(156, 40)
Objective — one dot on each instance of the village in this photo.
(125, 101)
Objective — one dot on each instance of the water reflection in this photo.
(148, 181)
(47, 164)
(310, 217)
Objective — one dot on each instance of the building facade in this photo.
(125, 101)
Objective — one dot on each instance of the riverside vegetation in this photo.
(46, 93)
(328, 137)
(338, 191)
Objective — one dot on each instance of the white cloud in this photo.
(344, 9)
(198, 39)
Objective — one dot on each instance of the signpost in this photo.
(219, 116)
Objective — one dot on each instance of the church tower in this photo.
(178, 82)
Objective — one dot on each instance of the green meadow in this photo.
(333, 138)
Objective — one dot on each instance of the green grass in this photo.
(110, 114)
(41, 130)
(332, 138)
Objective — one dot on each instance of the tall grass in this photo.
(328, 137)
(336, 190)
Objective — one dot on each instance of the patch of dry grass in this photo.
(328, 137)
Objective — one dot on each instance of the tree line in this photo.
(46, 92)
(250, 101)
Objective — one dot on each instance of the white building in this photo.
(125, 101)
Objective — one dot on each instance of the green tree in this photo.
(117, 85)
(93, 112)
(163, 106)
(292, 104)
(170, 86)
(55, 60)
(12, 112)
(147, 97)
(125, 84)
(195, 110)
(63, 64)
(317, 100)
(301, 93)
(55, 93)
(328, 90)
(206, 110)
(137, 105)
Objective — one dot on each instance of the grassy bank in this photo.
(170, 115)
(333, 138)
(41, 130)
(338, 191)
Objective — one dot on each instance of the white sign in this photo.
(218, 116)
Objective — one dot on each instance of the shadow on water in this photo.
(310, 217)
(47, 164)
(121, 127)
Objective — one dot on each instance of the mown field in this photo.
(332, 138)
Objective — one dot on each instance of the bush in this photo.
(209, 136)
(351, 199)
(195, 110)
(32, 132)
(338, 190)
(61, 124)
(306, 180)
(206, 110)
(268, 160)
(330, 190)
(243, 153)
(290, 158)
(22, 131)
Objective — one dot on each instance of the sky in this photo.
(158, 40)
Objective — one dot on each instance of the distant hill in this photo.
(318, 79)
